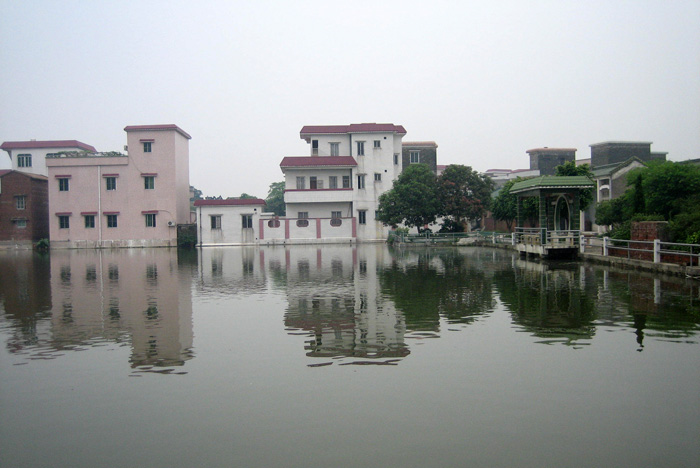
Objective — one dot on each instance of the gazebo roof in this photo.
(552, 182)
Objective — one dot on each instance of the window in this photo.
(301, 183)
(335, 149)
(303, 215)
(361, 181)
(21, 202)
(63, 222)
(336, 214)
(360, 148)
(303, 220)
(111, 220)
(377, 177)
(247, 220)
(333, 182)
(150, 220)
(312, 183)
(21, 223)
(111, 183)
(63, 185)
(335, 218)
(273, 223)
(396, 158)
(24, 160)
(149, 182)
(362, 216)
(377, 144)
(415, 156)
(89, 221)
(215, 221)
(314, 147)
(346, 181)
(147, 146)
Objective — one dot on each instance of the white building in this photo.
(339, 184)
(30, 156)
(235, 221)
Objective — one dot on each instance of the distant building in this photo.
(617, 152)
(30, 156)
(419, 152)
(24, 207)
(233, 221)
(545, 160)
(114, 200)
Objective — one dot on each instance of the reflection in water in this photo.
(95, 304)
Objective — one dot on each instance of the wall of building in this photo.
(231, 231)
(34, 189)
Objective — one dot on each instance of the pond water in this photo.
(343, 356)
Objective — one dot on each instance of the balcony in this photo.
(318, 195)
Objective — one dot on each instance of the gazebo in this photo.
(559, 220)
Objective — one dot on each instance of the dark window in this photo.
(111, 220)
(150, 220)
(314, 147)
(215, 221)
(89, 221)
(149, 182)
(361, 181)
(360, 148)
(377, 143)
(247, 221)
(24, 160)
(64, 222)
(146, 146)
(362, 217)
(63, 185)
(333, 182)
(346, 181)
(111, 183)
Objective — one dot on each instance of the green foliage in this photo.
(275, 199)
(667, 186)
(685, 227)
(571, 169)
(246, 196)
(463, 193)
(42, 245)
(412, 200)
(187, 239)
(505, 206)
(612, 212)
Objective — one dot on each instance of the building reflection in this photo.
(136, 297)
(333, 298)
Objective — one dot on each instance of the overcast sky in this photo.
(486, 80)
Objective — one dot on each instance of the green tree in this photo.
(570, 168)
(463, 193)
(246, 196)
(275, 199)
(504, 206)
(667, 186)
(412, 200)
(613, 212)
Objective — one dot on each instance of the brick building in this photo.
(419, 152)
(24, 207)
(545, 160)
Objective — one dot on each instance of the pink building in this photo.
(102, 200)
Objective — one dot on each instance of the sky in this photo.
(486, 80)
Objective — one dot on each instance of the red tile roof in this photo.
(318, 161)
(230, 202)
(352, 128)
(33, 144)
(150, 128)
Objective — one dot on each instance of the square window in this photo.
(63, 185)
(149, 182)
(215, 221)
(111, 220)
(21, 202)
(146, 146)
(111, 183)
(377, 177)
(362, 217)
(150, 220)
(89, 221)
(63, 222)
(303, 215)
(21, 223)
(336, 214)
(24, 160)
(360, 148)
(415, 157)
(377, 144)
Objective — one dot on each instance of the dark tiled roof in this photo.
(545, 182)
(4, 172)
(551, 150)
(12, 145)
(230, 202)
(429, 144)
(352, 128)
(318, 161)
(142, 128)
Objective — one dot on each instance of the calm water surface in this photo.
(343, 356)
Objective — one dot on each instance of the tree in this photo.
(504, 207)
(246, 196)
(463, 193)
(412, 200)
(570, 168)
(275, 199)
(667, 186)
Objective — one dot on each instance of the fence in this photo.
(656, 250)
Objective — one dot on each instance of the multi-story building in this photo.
(340, 182)
(30, 156)
(545, 160)
(617, 152)
(115, 200)
(24, 207)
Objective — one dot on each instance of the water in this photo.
(343, 356)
